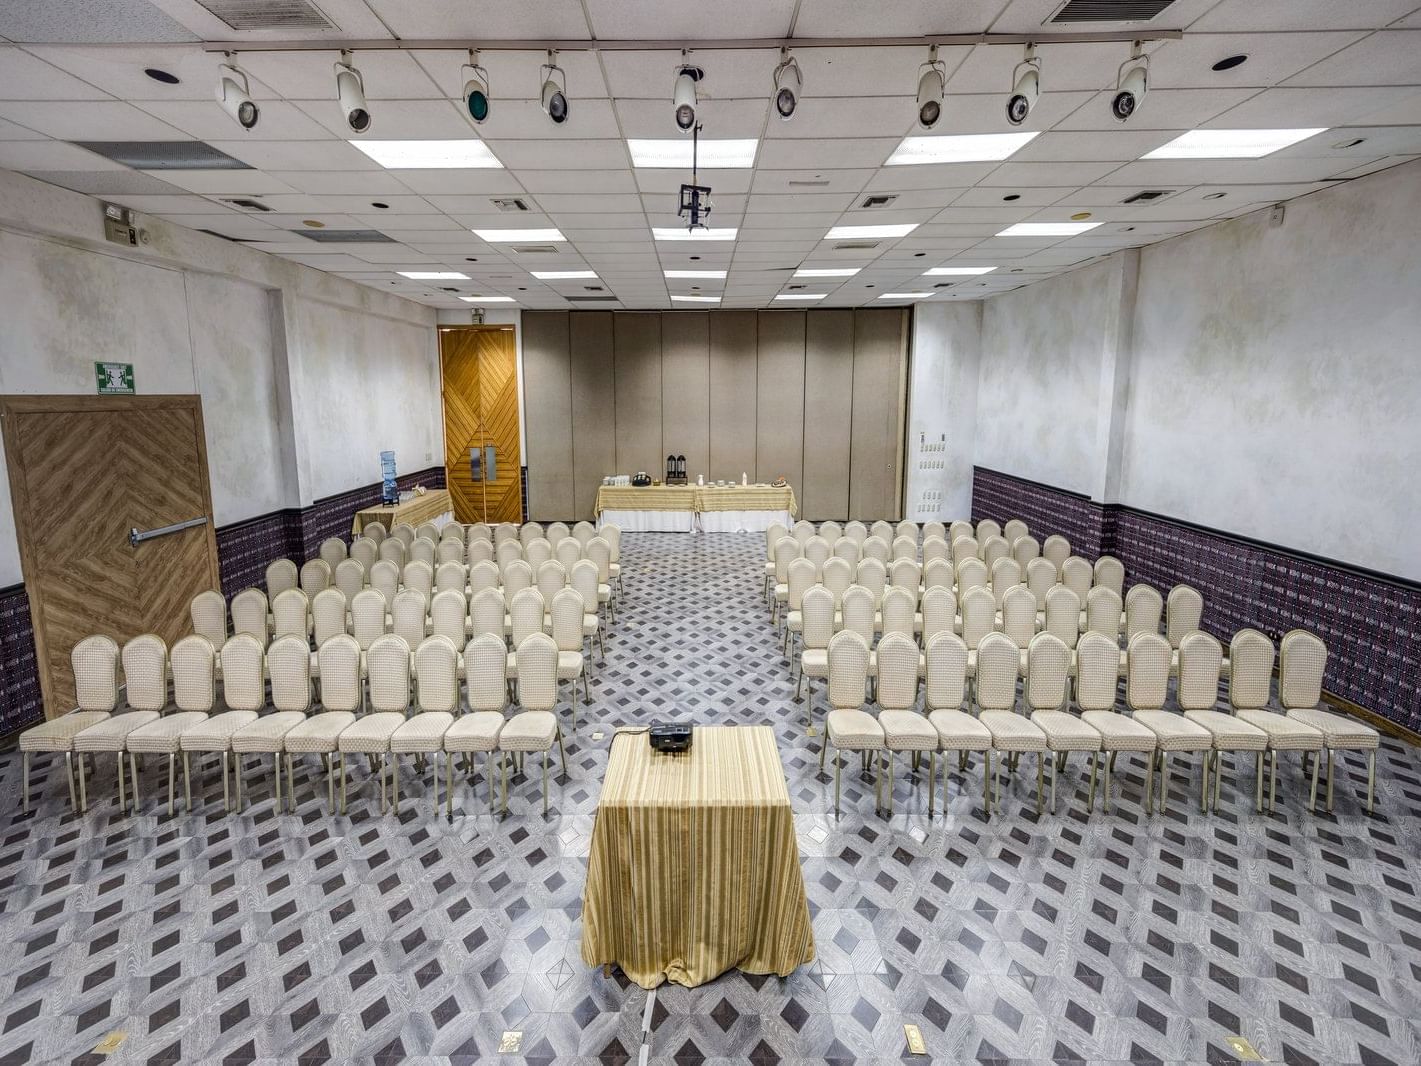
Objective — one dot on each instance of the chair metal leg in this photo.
(492, 783)
(172, 771)
(1329, 781)
(1218, 778)
(1258, 784)
(69, 776)
(1094, 769)
(987, 782)
(187, 782)
(1371, 779)
(888, 755)
(822, 745)
(545, 784)
(342, 784)
(1150, 784)
(122, 795)
(237, 780)
(503, 768)
(1040, 772)
(1273, 782)
(395, 783)
(25, 782)
(837, 762)
(1163, 782)
(1055, 771)
(133, 772)
(1105, 784)
(932, 781)
(83, 786)
(276, 765)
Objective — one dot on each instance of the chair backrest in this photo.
(1056, 548)
(905, 548)
(436, 670)
(786, 548)
(537, 551)
(426, 531)
(583, 531)
(145, 672)
(1184, 611)
(537, 673)
(1048, 668)
(1147, 664)
(483, 575)
(1110, 573)
(243, 686)
(979, 616)
(998, 665)
(551, 579)
(567, 551)
(838, 575)
(817, 614)
(600, 552)
(507, 552)
(971, 574)
(1144, 608)
(1077, 575)
(1200, 663)
(387, 667)
(486, 672)
(529, 532)
(612, 534)
(453, 531)
(1019, 615)
(289, 612)
(486, 613)
(877, 548)
(882, 530)
(446, 616)
(385, 579)
(773, 532)
(194, 660)
(376, 531)
(525, 614)
(986, 528)
(557, 531)
(856, 532)
(338, 661)
(333, 551)
(906, 574)
(1302, 662)
(567, 610)
(848, 549)
(479, 531)
(1063, 615)
(897, 672)
(898, 611)
(280, 576)
(315, 575)
(393, 550)
(934, 529)
(857, 612)
(249, 614)
(407, 616)
(802, 575)
(1026, 548)
(831, 531)
(817, 550)
(873, 575)
(1040, 577)
(365, 551)
(479, 550)
(939, 609)
(419, 575)
(906, 528)
(938, 574)
(1014, 530)
(288, 661)
(848, 670)
(935, 547)
(327, 615)
(802, 531)
(367, 616)
(963, 548)
(1005, 574)
(994, 548)
(960, 528)
(583, 578)
(449, 549)
(517, 576)
(209, 617)
(1102, 612)
(945, 678)
(1097, 672)
(404, 533)
(450, 575)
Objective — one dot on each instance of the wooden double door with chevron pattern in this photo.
(480, 372)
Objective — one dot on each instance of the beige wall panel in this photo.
(594, 406)
(877, 428)
(547, 404)
(779, 409)
(732, 394)
(637, 370)
(685, 389)
(828, 414)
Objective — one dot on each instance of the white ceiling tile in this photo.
(929, 176)
(904, 18)
(514, 75)
(439, 181)
(206, 120)
(395, 119)
(99, 120)
(387, 75)
(1264, 15)
(26, 77)
(990, 196)
(637, 20)
(667, 182)
(1166, 173)
(1272, 57)
(223, 182)
(611, 203)
(1306, 108)
(856, 73)
(328, 154)
(119, 71)
(1376, 165)
(334, 182)
(573, 154)
(729, 74)
(227, 223)
(1162, 109)
(870, 116)
(51, 155)
(835, 154)
(1050, 174)
(435, 19)
(1118, 145)
(722, 119)
(580, 181)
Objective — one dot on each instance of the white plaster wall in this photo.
(1276, 382)
(942, 407)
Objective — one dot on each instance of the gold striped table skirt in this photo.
(745, 498)
(645, 498)
(694, 868)
(423, 508)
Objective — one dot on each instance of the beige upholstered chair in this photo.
(535, 726)
(998, 666)
(315, 575)
(993, 549)
(878, 549)
(934, 529)
(935, 547)
(289, 664)
(1056, 549)
(1040, 578)
(939, 614)
(786, 548)
(567, 611)
(1005, 574)
(95, 663)
(426, 531)
(338, 661)
(484, 575)
(1200, 662)
(817, 611)
(873, 575)
(979, 618)
(436, 701)
(1110, 573)
(1097, 679)
(964, 548)
(557, 531)
(291, 614)
(486, 613)
(1062, 617)
(848, 726)
(773, 533)
(367, 617)
(385, 579)
(882, 530)
(529, 532)
(961, 529)
(194, 689)
(537, 552)
(249, 614)
(448, 618)
(376, 531)
(1143, 610)
(599, 551)
(333, 551)
(450, 575)
(388, 670)
(145, 673)
(452, 531)
(479, 550)
(280, 576)
(448, 550)
(1302, 663)
(904, 729)
(1146, 689)
(485, 659)
(506, 552)
(817, 550)
(937, 573)
(349, 578)
(1102, 612)
(407, 618)
(1019, 618)
(944, 689)
(328, 615)
(1014, 530)
(904, 548)
(802, 574)
(583, 531)
(393, 550)
(365, 551)
(857, 616)
(568, 551)
(209, 617)
(612, 534)
(987, 528)
(906, 528)
(1025, 550)
(584, 579)
(243, 690)
(906, 574)
(831, 531)
(971, 573)
(516, 577)
(1184, 611)
(848, 549)
(897, 614)
(550, 579)
(525, 614)
(856, 531)
(1077, 575)
(1048, 668)
(838, 575)
(419, 575)
(144, 663)
(404, 533)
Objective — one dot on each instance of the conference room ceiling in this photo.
(74, 73)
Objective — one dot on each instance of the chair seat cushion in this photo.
(477, 731)
(959, 731)
(854, 730)
(815, 662)
(529, 731)
(589, 625)
(164, 737)
(794, 621)
(1230, 732)
(1013, 732)
(58, 733)
(1119, 732)
(370, 733)
(267, 733)
(1174, 732)
(319, 732)
(112, 732)
(1338, 731)
(1066, 732)
(907, 731)
(1284, 732)
(569, 665)
(424, 732)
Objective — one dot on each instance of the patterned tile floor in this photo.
(1069, 938)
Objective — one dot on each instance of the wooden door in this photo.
(84, 471)
(481, 408)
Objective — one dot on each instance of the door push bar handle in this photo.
(137, 536)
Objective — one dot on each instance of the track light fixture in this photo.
(475, 89)
(554, 91)
(683, 95)
(234, 95)
(1131, 84)
(787, 85)
(1025, 87)
(350, 88)
(932, 77)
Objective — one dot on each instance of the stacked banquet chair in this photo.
(415, 662)
(1042, 639)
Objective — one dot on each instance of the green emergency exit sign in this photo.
(114, 378)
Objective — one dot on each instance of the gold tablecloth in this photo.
(419, 509)
(645, 498)
(694, 868)
(745, 498)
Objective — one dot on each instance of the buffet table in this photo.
(687, 508)
(650, 508)
(430, 507)
(744, 508)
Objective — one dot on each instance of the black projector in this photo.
(670, 737)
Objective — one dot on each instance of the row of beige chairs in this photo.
(1050, 732)
(414, 698)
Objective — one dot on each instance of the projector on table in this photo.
(671, 737)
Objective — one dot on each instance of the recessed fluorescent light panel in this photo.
(1047, 229)
(826, 272)
(966, 148)
(430, 155)
(708, 274)
(801, 296)
(677, 153)
(562, 275)
(844, 233)
(432, 275)
(957, 272)
(676, 233)
(904, 295)
(695, 299)
(1230, 144)
(516, 236)
(487, 299)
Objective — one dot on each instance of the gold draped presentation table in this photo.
(415, 510)
(694, 868)
(684, 508)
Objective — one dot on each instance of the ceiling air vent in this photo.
(509, 204)
(344, 236)
(592, 299)
(856, 246)
(879, 200)
(164, 155)
(536, 249)
(805, 183)
(1146, 196)
(268, 14)
(247, 205)
(1074, 11)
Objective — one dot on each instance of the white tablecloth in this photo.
(741, 521)
(649, 521)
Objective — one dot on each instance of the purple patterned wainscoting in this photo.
(19, 674)
(1371, 622)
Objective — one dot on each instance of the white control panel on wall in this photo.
(931, 461)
